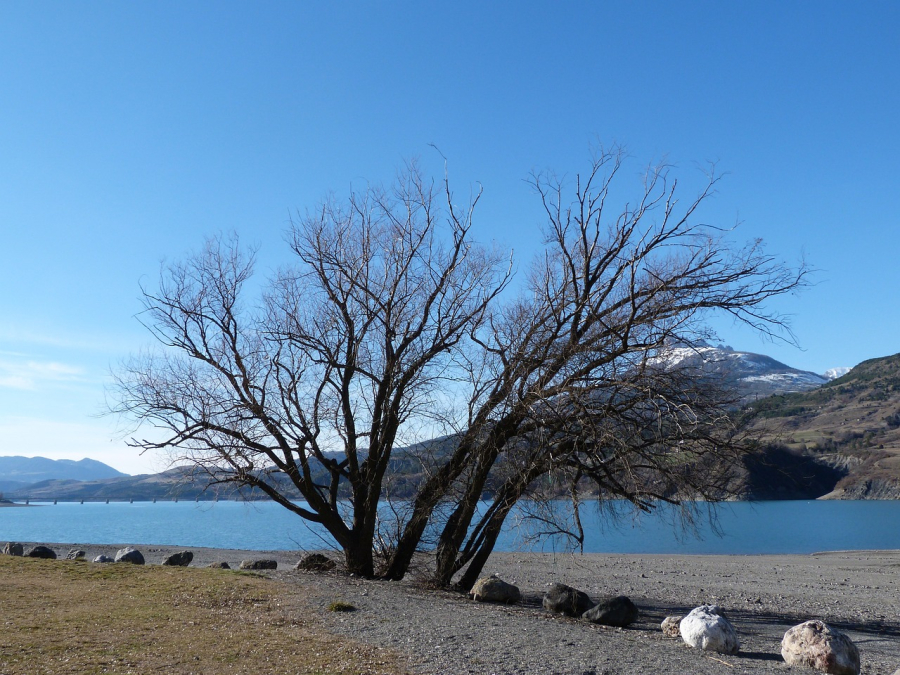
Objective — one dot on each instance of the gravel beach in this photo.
(443, 632)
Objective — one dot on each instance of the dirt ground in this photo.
(443, 632)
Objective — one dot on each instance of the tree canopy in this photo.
(393, 326)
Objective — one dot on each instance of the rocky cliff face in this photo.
(866, 488)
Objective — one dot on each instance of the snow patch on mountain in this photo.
(754, 375)
(835, 373)
(800, 377)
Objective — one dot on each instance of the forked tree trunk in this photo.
(476, 552)
(483, 552)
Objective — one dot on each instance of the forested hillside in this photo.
(851, 423)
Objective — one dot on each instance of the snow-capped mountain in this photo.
(835, 373)
(753, 375)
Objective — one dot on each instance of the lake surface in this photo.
(743, 527)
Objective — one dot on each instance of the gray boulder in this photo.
(566, 600)
(315, 562)
(75, 554)
(259, 564)
(219, 565)
(41, 552)
(180, 559)
(815, 644)
(494, 589)
(707, 628)
(130, 555)
(13, 548)
(103, 559)
(613, 611)
(670, 626)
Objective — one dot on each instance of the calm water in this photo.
(745, 528)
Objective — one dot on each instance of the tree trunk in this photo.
(485, 548)
(457, 526)
(359, 557)
(408, 543)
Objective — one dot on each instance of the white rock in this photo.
(817, 645)
(705, 628)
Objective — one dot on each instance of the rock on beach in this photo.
(130, 555)
(563, 599)
(259, 564)
(815, 644)
(671, 626)
(494, 589)
(180, 559)
(617, 611)
(315, 562)
(13, 548)
(706, 628)
(44, 552)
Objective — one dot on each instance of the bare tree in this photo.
(315, 383)
(392, 325)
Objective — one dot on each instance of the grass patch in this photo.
(75, 617)
(339, 606)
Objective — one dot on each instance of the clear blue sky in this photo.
(129, 131)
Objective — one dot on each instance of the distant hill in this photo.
(851, 423)
(173, 484)
(18, 472)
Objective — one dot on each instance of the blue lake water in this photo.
(743, 528)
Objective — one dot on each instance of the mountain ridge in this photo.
(751, 375)
(17, 471)
(839, 439)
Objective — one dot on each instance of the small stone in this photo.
(41, 552)
(494, 589)
(130, 555)
(707, 628)
(259, 564)
(75, 554)
(815, 644)
(180, 559)
(566, 600)
(613, 611)
(103, 559)
(219, 565)
(13, 548)
(671, 626)
(315, 562)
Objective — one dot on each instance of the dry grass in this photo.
(74, 617)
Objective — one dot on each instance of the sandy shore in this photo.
(443, 632)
